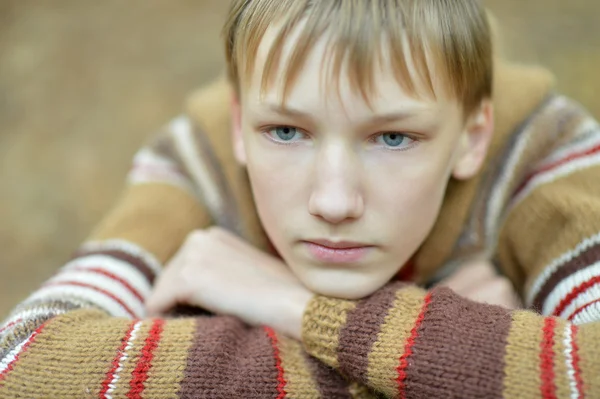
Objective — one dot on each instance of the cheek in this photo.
(410, 196)
(277, 181)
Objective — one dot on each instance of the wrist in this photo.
(291, 311)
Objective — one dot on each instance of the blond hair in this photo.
(446, 37)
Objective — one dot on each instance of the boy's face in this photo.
(346, 192)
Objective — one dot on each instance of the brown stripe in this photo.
(587, 258)
(329, 382)
(134, 261)
(229, 360)
(459, 349)
(361, 330)
(230, 218)
(392, 340)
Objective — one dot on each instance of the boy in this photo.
(364, 143)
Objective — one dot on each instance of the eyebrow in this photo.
(384, 118)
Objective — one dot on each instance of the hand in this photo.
(478, 280)
(223, 274)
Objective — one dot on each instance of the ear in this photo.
(475, 141)
(239, 150)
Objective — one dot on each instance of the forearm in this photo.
(406, 342)
(87, 353)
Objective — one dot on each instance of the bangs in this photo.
(429, 44)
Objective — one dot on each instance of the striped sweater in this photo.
(534, 209)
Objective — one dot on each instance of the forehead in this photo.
(320, 73)
(319, 87)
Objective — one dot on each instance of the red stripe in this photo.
(140, 374)
(410, 342)
(574, 294)
(281, 382)
(582, 308)
(547, 360)
(115, 363)
(30, 340)
(110, 275)
(576, 359)
(94, 288)
(558, 163)
(9, 325)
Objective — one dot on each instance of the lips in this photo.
(337, 251)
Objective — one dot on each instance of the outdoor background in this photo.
(83, 82)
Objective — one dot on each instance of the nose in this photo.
(336, 195)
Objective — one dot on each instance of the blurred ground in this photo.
(83, 82)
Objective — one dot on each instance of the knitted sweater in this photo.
(534, 209)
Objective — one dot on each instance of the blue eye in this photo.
(285, 133)
(393, 139)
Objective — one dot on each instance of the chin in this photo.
(343, 287)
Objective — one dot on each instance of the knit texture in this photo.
(534, 209)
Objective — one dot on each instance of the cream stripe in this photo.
(498, 196)
(97, 298)
(128, 248)
(569, 362)
(12, 355)
(184, 141)
(149, 167)
(146, 156)
(566, 286)
(35, 313)
(104, 283)
(113, 384)
(586, 137)
(590, 314)
(556, 174)
(553, 267)
(119, 268)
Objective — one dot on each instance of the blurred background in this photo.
(83, 83)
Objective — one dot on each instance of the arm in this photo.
(407, 342)
(85, 333)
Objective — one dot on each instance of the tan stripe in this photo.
(129, 364)
(396, 328)
(522, 376)
(561, 379)
(77, 363)
(135, 218)
(556, 202)
(170, 359)
(299, 380)
(588, 342)
(323, 320)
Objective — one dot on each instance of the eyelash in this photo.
(266, 131)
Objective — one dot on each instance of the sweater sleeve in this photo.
(84, 332)
(407, 342)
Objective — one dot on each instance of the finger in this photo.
(164, 296)
(498, 292)
(470, 275)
